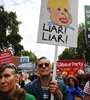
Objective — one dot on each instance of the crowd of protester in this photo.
(39, 84)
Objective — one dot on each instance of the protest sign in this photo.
(25, 59)
(27, 66)
(71, 66)
(5, 57)
(87, 23)
(58, 23)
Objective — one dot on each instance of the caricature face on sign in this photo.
(58, 22)
(59, 12)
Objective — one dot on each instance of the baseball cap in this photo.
(8, 65)
(80, 72)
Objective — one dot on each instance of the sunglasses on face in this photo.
(41, 65)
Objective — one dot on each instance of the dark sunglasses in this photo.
(41, 65)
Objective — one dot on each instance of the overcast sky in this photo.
(28, 12)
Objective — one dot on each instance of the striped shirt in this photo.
(46, 92)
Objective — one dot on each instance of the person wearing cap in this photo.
(8, 88)
(87, 91)
(64, 74)
(44, 86)
(59, 77)
(81, 78)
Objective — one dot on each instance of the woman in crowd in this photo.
(81, 78)
(75, 91)
(8, 88)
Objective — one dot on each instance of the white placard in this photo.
(58, 24)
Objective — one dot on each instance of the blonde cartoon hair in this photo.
(59, 4)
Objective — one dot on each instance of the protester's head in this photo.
(35, 72)
(73, 82)
(26, 76)
(44, 66)
(58, 71)
(80, 73)
(8, 78)
(9, 65)
(64, 74)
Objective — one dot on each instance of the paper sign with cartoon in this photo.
(58, 22)
(59, 12)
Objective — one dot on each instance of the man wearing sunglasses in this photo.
(44, 86)
(8, 88)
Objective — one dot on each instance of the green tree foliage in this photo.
(82, 50)
(68, 54)
(9, 32)
(81, 45)
(32, 56)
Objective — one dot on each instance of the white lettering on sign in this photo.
(88, 22)
(89, 29)
(88, 16)
(61, 64)
(87, 11)
(88, 35)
